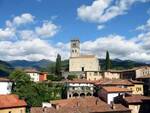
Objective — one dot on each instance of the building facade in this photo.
(12, 104)
(79, 88)
(35, 75)
(109, 93)
(78, 62)
(5, 86)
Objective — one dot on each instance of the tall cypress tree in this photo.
(58, 65)
(107, 61)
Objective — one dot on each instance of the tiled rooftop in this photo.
(115, 82)
(112, 89)
(4, 79)
(135, 99)
(11, 101)
(81, 105)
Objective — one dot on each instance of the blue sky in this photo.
(52, 23)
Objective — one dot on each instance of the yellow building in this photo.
(78, 63)
(12, 104)
(137, 103)
(93, 75)
(98, 75)
(135, 86)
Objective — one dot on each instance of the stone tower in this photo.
(75, 48)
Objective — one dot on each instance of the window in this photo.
(95, 73)
(74, 44)
(21, 111)
(138, 89)
(82, 68)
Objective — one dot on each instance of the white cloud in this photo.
(28, 44)
(27, 34)
(145, 27)
(148, 11)
(6, 33)
(101, 11)
(99, 27)
(19, 20)
(48, 29)
(26, 49)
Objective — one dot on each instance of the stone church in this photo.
(81, 63)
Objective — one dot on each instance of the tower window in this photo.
(73, 51)
(82, 68)
(74, 44)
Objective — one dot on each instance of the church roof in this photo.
(85, 56)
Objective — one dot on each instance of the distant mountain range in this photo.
(122, 64)
(7, 67)
(26, 64)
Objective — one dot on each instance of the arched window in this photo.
(75, 95)
(82, 94)
(88, 94)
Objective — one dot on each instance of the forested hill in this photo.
(122, 64)
(5, 68)
(47, 65)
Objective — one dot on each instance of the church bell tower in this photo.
(75, 48)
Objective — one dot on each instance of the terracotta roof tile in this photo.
(111, 89)
(11, 101)
(115, 82)
(80, 105)
(4, 79)
(136, 99)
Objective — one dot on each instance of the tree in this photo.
(107, 61)
(33, 93)
(58, 65)
(71, 77)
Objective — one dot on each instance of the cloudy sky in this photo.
(39, 29)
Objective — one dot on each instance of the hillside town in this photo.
(83, 88)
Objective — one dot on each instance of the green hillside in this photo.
(5, 68)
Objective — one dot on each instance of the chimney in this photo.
(44, 110)
(96, 102)
(113, 105)
(56, 106)
(78, 104)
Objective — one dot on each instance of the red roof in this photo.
(116, 82)
(11, 101)
(136, 99)
(113, 89)
(4, 79)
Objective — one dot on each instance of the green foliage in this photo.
(54, 77)
(108, 62)
(58, 65)
(5, 68)
(34, 93)
(71, 77)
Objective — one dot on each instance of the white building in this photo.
(79, 87)
(34, 74)
(109, 93)
(5, 86)
(78, 62)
